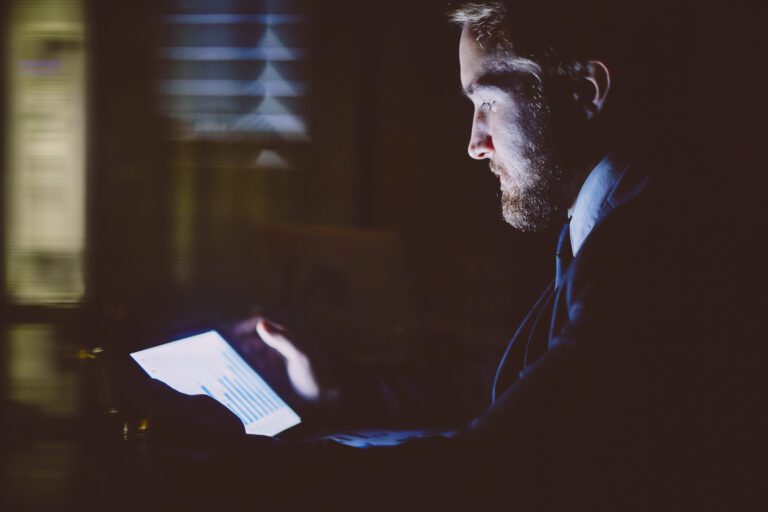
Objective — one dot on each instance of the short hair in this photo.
(638, 40)
(487, 20)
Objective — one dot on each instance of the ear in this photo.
(592, 88)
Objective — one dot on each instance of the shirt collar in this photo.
(613, 182)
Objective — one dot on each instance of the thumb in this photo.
(298, 366)
(275, 340)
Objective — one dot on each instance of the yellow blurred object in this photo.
(84, 354)
(45, 179)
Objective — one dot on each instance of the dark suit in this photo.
(625, 390)
(592, 378)
(614, 393)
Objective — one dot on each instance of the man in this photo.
(544, 120)
(609, 395)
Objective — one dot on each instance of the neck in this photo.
(592, 147)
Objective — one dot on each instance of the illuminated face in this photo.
(511, 129)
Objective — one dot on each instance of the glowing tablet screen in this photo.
(207, 364)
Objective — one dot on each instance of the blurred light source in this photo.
(45, 178)
(235, 70)
(234, 85)
(36, 377)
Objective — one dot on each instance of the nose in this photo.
(480, 140)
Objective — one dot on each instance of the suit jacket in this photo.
(624, 388)
(593, 379)
(615, 393)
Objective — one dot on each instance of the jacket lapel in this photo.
(517, 354)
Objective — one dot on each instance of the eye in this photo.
(487, 105)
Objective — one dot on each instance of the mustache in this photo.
(495, 168)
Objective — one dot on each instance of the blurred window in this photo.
(45, 167)
(235, 69)
(234, 86)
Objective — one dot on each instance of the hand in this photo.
(298, 366)
(190, 419)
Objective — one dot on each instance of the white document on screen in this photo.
(207, 364)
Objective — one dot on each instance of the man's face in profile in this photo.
(511, 129)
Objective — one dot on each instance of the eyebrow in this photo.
(488, 81)
(505, 80)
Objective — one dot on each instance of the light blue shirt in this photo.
(613, 182)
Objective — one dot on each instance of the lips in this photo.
(505, 182)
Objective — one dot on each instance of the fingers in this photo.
(246, 327)
(303, 378)
(275, 340)
(249, 325)
(297, 364)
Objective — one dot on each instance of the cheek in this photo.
(507, 136)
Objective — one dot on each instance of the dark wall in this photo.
(128, 190)
(400, 126)
(387, 230)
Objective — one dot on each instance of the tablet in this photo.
(207, 364)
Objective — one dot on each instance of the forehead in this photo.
(481, 67)
(474, 61)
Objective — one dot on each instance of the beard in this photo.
(533, 185)
(531, 199)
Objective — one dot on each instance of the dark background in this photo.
(385, 229)
(384, 242)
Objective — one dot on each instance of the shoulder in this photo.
(635, 260)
